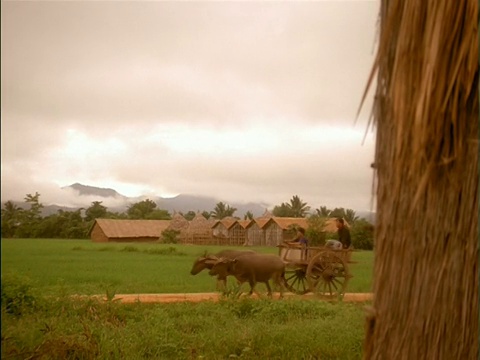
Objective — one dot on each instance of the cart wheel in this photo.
(328, 275)
(296, 281)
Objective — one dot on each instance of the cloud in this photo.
(251, 101)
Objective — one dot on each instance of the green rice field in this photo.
(84, 267)
(40, 320)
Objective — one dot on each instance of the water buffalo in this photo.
(253, 268)
(207, 262)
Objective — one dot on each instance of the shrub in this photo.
(165, 251)
(315, 233)
(170, 236)
(130, 248)
(106, 248)
(362, 235)
(16, 294)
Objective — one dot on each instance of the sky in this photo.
(246, 101)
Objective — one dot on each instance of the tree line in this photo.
(28, 222)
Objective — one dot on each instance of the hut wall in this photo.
(97, 234)
(134, 239)
(236, 235)
(255, 236)
(199, 238)
(220, 230)
(273, 235)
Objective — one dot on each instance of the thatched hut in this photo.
(255, 234)
(426, 170)
(280, 229)
(229, 231)
(199, 231)
(114, 230)
(180, 224)
(220, 227)
(236, 234)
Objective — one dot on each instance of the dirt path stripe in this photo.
(197, 297)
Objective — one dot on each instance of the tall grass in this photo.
(84, 267)
(66, 328)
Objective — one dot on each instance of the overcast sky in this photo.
(243, 101)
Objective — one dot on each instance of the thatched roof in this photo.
(228, 222)
(114, 228)
(244, 223)
(200, 224)
(178, 222)
(285, 222)
(260, 222)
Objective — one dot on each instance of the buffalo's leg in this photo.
(267, 284)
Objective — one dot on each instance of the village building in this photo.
(199, 231)
(262, 231)
(115, 230)
(255, 234)
(280, 229)
(229, 231)
(179, 224)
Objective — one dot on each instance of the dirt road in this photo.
(197, 297)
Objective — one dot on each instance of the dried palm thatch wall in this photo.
(180, 224)
(255, 234)
(426, 118)
(199, 231)
(236, 234)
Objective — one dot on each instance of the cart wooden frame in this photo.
(320, 270)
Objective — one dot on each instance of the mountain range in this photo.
(181, 203)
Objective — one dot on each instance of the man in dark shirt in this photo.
(343, 233)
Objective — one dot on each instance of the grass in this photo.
(41, 321)
(84, 267)
(247, 329)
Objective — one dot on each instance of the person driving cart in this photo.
(301, 240)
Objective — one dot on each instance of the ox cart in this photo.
(320, 270)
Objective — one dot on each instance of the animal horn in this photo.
(211, 259)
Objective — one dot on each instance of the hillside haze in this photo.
(85, 190)
(181, 203)
(86, 194)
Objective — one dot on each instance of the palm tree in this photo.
(10, 219)
(350, 216)
(248, 215)
(297, 207)
(338, 213)
(222, 210)
(323, 211)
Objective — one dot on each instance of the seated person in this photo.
(300, 240)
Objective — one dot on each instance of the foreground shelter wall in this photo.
(426, 165)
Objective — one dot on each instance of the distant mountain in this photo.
(185, 203)
(367, 215)
(181, 203)
(95, 191)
